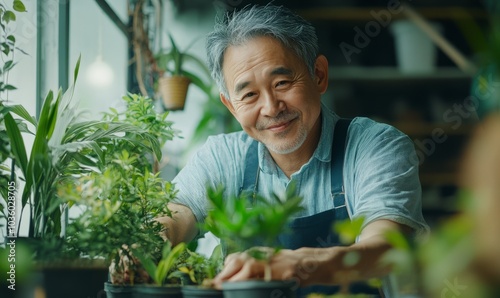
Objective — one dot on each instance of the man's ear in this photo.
(321, 73)
(227, 103)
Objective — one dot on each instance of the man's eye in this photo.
(282, 83)
(249, 94)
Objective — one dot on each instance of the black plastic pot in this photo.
(259, 288)
(201, 292)
(74, 282)
(118, 291)
(152, 291)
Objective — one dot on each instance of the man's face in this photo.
(272, 93)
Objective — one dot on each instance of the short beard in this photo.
(291, 146)
(284, 147)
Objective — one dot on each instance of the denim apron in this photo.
(315, 230)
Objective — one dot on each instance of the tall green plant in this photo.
(61, 149)
(7, 50)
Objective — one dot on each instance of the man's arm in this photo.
(181, 227)
(326, 266)
(359, 261)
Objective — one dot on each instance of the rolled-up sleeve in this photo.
(382, 179)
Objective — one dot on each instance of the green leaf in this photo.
(23, 113)
(8, 65)
(196, 81)
(348, 230)
(17, 143)
(8, 16)
(9, 87)
(397, 240)
(77, 69)
(5, 48)
(146, 262)
(19, 6)
(12, 38)
(21, 50)
(198, 62)
(168, 262)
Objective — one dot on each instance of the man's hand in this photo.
(319, 266)
(181, 227)
(302, 265)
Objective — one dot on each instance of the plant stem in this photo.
(267, 272)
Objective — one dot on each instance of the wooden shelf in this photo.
(424, 129)
(436, 178)
(354, 73)
(366, 13)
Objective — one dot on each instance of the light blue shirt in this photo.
(380, 173)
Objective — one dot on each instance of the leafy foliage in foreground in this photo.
(244, 221)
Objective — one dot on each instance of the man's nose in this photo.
(271, 105)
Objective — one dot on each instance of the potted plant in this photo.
(122, 195)
(165, 283)
(243, 225)
(64, 147)
(201, 270)
(120, 207)
(174, 79)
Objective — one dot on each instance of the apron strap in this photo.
(251, 172)
(337, 181)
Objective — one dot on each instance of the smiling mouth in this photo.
(281, 126)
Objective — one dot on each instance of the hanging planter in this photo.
(173, 91)
(174, 79)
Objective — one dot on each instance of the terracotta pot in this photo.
(173, 91)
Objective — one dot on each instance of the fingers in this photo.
(234, 262)
(299, 265)
(239, 266)
(251, 269)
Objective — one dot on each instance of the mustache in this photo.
(282, 117)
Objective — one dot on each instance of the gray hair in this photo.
(278, 22)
